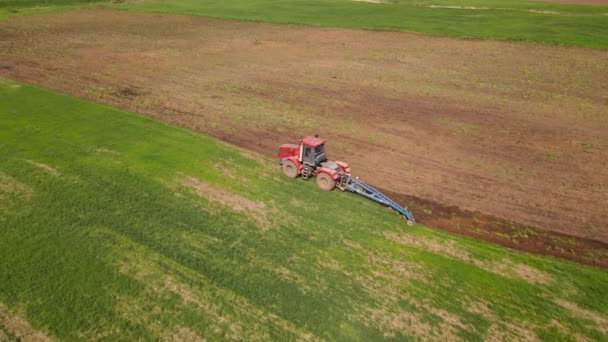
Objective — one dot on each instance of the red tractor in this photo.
(308, 159)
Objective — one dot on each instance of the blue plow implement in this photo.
(361, 188)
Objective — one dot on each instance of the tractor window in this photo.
(319, 149)
(307, 151)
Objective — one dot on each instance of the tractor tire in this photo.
(325, 182)
(290, 169)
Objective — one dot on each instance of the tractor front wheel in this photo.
(325, 182)
(290, 169)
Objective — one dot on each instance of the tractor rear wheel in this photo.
(290, 169)
(325, 182)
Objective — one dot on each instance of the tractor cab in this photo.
(313, 150)
(310, 151)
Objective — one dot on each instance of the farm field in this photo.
(140, 197)
(119, 227)
(570, 22)
(513, 130)
(497, 19)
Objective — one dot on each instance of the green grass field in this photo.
(114, 226)
(30, 7)
(42, 3)
(496, 19)
(582, 25)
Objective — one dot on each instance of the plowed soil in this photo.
(516, 131)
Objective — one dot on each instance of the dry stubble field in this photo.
(513, 130)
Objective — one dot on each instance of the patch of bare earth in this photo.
(44, 167)
(513, 130)
(563, 330)
(234, 330)
(385, 286)
(105, 150)
(401, 322)
(520, 331)
(10, 188)
(600, 320)
(9, 185)
(500, 330)
(227, 169)
(504, 267)
(184, 334)
(20, 328)
(396, 322)
(233, 316)
(258, 211)
(509, 332)
(531, 274)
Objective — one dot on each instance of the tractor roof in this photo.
(313, 141)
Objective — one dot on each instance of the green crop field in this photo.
(42, 3)
(117, 227)
(582, 25)
(30, 7)
(496, 19)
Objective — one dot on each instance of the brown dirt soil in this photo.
(516, 131)
(601, 323)
(256, 210)
(506, 267)
(19, 328)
